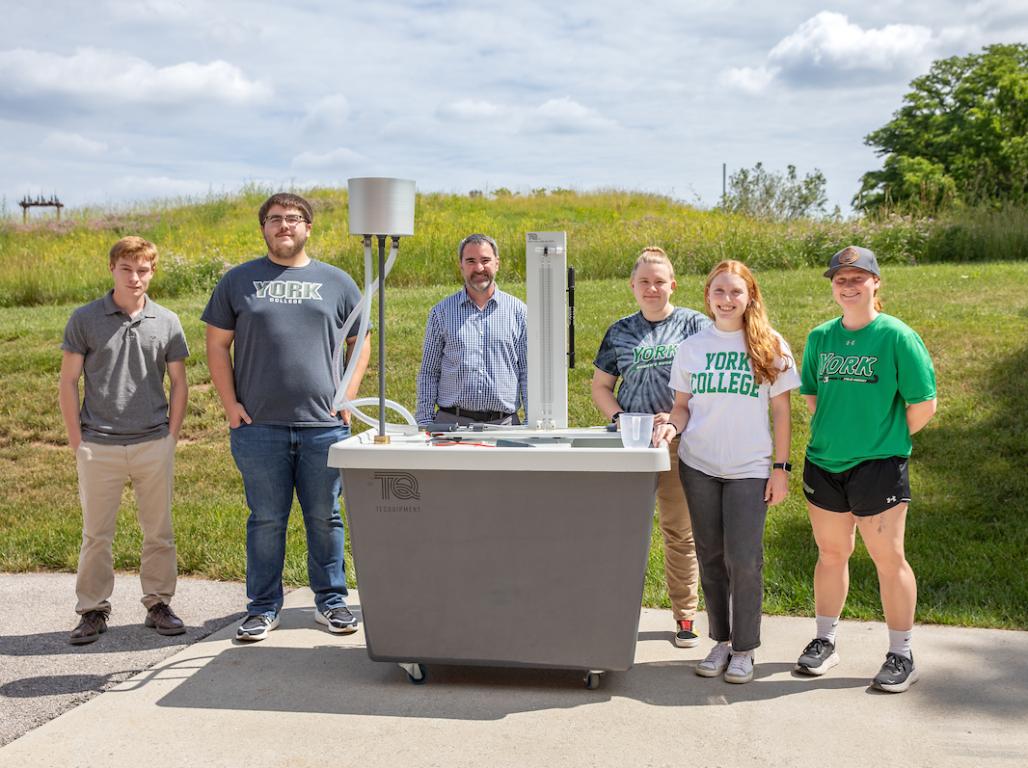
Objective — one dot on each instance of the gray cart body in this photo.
(500, 556)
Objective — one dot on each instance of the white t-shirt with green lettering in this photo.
(728, 434)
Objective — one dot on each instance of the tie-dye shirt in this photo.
(640, 353)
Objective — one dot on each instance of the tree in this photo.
(770, 195)
(961, 135)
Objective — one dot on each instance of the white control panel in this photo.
(546, 270)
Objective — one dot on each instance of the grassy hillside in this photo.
(968, 528)
(47, 262)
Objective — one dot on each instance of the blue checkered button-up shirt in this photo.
(474, 359)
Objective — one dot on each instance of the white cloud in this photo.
(565, 115)
(830, 41)
(197, 18)
(153, 10)
(470, 109)
(103, 76)
(464, 94)
(327, 114)
(748, 79)
(828, 48)
(337, 158)
(73, 144)
(160, 186)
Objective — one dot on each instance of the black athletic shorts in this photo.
(869, 488)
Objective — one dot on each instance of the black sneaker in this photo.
(686, 637)
(256, 627)
(338, 620)
(896, 675)
(818, 657)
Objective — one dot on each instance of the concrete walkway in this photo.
(41, 675)
(304, 697)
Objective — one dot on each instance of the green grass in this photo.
(49, 262)
(967, 530)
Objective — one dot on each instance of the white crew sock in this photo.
(826, 626)
(899, 642)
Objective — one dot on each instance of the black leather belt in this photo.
(464, 413)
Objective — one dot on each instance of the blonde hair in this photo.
(762, 344)
(651, 254)
(134, 248)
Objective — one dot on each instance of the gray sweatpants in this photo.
(728, 525)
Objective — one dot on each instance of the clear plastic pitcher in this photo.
(636, 429)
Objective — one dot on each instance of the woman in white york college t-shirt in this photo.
(725, 378)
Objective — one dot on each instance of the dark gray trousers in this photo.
(728, 525)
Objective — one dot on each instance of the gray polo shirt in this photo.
(126, 359)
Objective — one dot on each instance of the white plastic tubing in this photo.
(363, 310)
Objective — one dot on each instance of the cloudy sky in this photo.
(111, 102)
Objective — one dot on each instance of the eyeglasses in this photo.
(290, 221)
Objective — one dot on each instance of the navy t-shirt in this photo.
(288, 322)
(641, 353)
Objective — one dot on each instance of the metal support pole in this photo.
(381, 437)
(571, 317)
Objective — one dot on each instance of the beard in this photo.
(286, 250)
(480, 284)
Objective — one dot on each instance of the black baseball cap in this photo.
(854, 256)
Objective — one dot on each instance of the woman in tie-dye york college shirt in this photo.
(638, 350)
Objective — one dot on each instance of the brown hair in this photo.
(651, 254)
(762, 344)
(286, 200)
(134, 248)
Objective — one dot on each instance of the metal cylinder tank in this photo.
(381, 206)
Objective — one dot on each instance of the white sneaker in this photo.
(740, 669)
(716, 661)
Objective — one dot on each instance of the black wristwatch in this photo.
(782, 465)
(614, 416)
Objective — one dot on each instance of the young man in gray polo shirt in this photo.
(124, 430)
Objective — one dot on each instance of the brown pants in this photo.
(103, 471)
(680, 567)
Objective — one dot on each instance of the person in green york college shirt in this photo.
(869, 383)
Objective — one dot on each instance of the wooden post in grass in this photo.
(39, 201)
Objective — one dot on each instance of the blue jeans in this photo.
(273, 461)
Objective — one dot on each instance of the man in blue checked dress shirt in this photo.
(474, 362)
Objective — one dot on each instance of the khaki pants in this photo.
(680, 567)
(103, 470)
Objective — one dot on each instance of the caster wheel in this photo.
(416, 673)
(592, 681)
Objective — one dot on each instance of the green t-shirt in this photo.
(863, 381)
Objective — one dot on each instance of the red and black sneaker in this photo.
(686, 637)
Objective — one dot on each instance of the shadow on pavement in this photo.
(342, 679)
(117, 639)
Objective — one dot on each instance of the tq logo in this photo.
(398, 485)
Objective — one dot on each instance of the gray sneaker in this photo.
(818, 657)
(740, 668)
(716, 661)
(897, 674)
(256, 627)
(338, 620)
